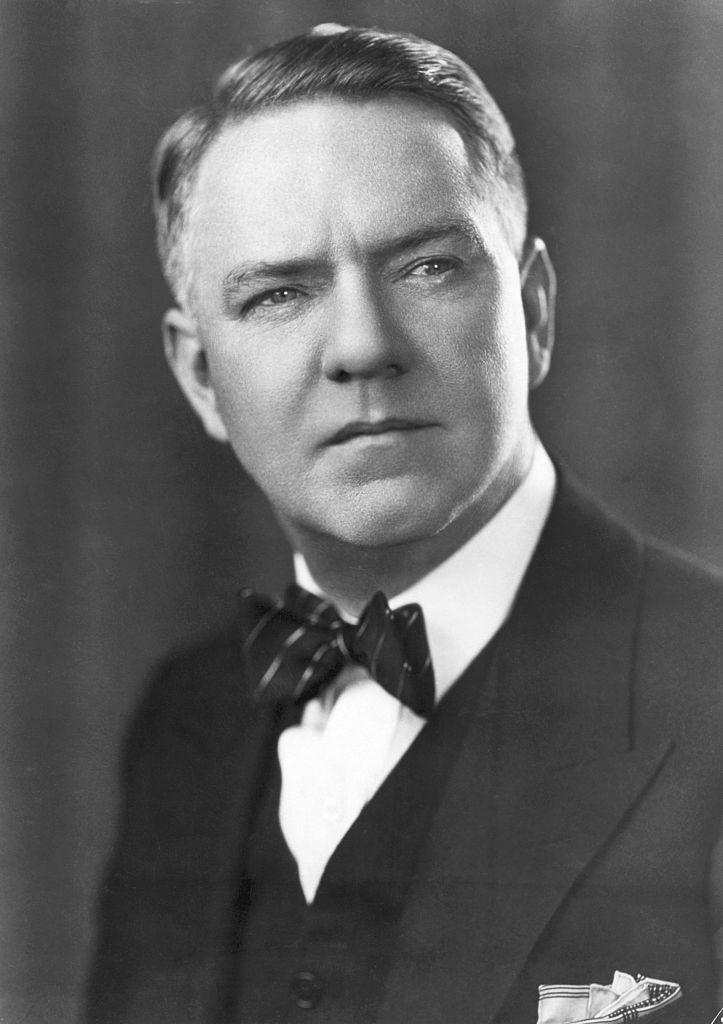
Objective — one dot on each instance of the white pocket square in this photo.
(625, 1000)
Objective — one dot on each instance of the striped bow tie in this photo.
(294, 648)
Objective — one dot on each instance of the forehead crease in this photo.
(354, 191)
(320, 255)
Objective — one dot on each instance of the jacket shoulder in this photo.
(673, 607)
(196, 689)
(674, 585)
(676, 582)
(680, 636)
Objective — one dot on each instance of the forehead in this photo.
(327, 174)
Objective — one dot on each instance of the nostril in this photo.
(342, 376)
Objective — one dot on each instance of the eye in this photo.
(277, 297)
(273, 298)
(436, 267)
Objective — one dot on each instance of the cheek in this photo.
(254, 388)
(488, 365)
(504, 349)
(257, 420)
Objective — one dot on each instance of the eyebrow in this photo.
(459, 227)
(246, 274)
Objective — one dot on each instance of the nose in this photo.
(363, 342)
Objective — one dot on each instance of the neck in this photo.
(350, 574)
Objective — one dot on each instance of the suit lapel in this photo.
(547, 770)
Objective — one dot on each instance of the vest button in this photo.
(307, 989)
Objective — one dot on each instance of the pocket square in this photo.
(622, 1002)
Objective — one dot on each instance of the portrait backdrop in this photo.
(125, 531)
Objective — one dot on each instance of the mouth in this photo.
(373, 428)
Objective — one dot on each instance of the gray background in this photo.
(124, 531)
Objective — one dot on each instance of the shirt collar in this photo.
(468, 597)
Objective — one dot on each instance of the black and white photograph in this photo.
(361, 512)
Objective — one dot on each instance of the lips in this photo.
(370, 428)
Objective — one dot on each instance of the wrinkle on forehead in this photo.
(328, 173)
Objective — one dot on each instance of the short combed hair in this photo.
(341, 62)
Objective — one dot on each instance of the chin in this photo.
(389, 516)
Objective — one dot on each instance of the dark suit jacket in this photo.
(574, 838)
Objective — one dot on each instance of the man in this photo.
(325, 818)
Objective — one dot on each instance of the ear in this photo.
(538, 284)
(187, 358)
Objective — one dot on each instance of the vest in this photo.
(328, 962)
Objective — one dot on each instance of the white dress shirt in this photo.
(351, 737)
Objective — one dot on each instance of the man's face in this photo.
(358, 334)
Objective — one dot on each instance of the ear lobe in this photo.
(538, 284)
(187, 358)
